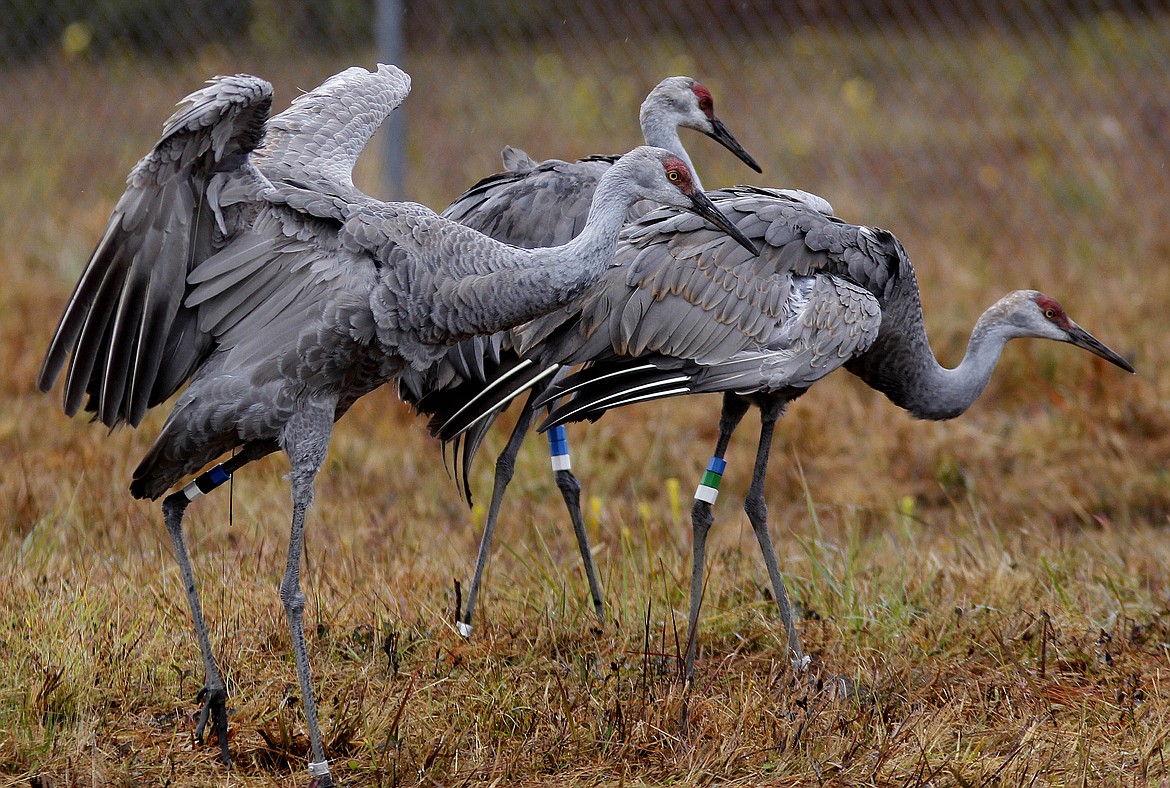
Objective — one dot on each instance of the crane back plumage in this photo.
(679, 312)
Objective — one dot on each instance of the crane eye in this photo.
(673, 175)
(705, 104)
(1050, 313)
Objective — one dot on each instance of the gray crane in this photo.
(535, 204)
(545, 203)
(279, 294)
(679, 311)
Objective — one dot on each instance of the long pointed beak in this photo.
(724, 138)
(701, 204)
(1083, 339)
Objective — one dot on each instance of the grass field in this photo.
(995, 589)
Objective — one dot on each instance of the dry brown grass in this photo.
(994, 589)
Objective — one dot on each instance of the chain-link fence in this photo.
(987, 118)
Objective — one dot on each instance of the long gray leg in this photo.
(571, 492)
(757, 512)
(214, 692)
(305, 439)
(505, 468)
(558, 449)
(733, 411)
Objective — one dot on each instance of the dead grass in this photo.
(993, 591)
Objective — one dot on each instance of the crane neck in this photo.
(662, 132)
(901, 364)
(506, 285)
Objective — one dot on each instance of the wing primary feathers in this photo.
(457, 423)
(576, 409)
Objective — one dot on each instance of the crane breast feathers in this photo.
(832, 321)
(838, 321)
(124, 324)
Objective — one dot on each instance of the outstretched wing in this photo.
(132, 341)
(314, 144)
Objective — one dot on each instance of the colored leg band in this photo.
(206, 482)
(558, 448)
(708, 490)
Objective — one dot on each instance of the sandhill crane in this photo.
(681, 312)
(540, 204)
(281, 294)
(545, 203)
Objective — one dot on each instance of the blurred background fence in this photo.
(1008, 143)
(976, 122)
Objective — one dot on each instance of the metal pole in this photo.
(388, 37)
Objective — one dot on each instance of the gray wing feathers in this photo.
(516, 160)
(544, 205)
(124, 321)
(682, 289)
(318, 139)
(831, 320)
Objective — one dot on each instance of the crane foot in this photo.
(215, 709)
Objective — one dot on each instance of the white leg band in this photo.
(319, 769)
(561, 462)
(706, 494)
(463, 629)
(192, 491)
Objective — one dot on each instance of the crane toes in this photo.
(214, 709)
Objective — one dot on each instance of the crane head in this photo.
(674, 185)
(684, 102)
(1039, 315)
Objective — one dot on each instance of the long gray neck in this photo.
(509, 285)
(902, 366)
(662, 132)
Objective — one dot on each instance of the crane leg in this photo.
(757, 512)
(214, 692)
(505, 468)
(305, 439)
(558, 449)
(571, 493)
(732, 414)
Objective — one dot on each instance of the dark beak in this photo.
(701, 204)
(724, 138)
(1083, 339)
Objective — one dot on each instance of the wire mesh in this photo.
(984, 118)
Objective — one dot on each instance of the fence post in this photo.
(388, 35)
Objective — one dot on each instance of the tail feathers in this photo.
(486, 404)
(596, 389)
(459, 453)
